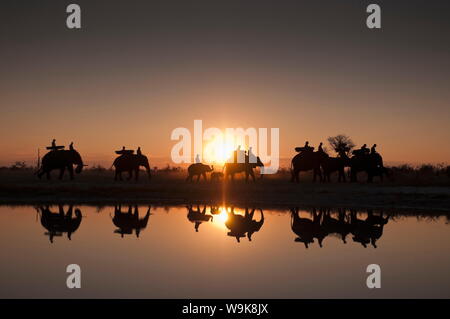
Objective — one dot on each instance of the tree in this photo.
(341, 143)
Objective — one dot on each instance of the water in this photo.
(170, 259)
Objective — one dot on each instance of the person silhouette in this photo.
(54, 143)
(364, 149)
(237, 155)
(320, 149)
(71, 146)
(197, 159)
(373, 149)
(138, 152)
(251, 156)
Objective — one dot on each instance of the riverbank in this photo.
(267, 192)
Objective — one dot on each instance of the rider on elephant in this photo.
(373, 149)
(320, 149)
(364, 149)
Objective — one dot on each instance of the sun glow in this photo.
(220, 216)
(218, 151)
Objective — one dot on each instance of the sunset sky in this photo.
(139, 69)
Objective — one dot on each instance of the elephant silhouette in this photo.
(307, 160)
(307, 229)
(242, 226)
(62, 160)
(127, 222)
(129, 162)
(199, 170)
(371, 163)
(197, 216)
(247, 168)
(368, 230)
(58, 223)
(338, 225)
(335, 164)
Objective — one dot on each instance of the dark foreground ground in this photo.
(171, 188)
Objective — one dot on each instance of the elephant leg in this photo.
(204, 176)
(189, 178)
(61, 172)
(353, 176)
(198, 178)
(253, 175)
(116, 175)
(48, 174)
(130, 174)
(136, 174)
(70, 169)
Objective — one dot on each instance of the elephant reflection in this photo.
(126, 222)
(307, 229)
(322, 224)
(369, 230)
(240, 226)
(340, 225)
(60, 222)
(197, 216)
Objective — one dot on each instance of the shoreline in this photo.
(270, 193)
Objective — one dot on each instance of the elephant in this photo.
(335, 164)
(371, 163)
(131, 163)
(305, 161)
(240, 225)
(198, 169)
(197, 216)
(59, 223)
(340, 225)
(127, 222)
(62, 160)
(246, 167)
(368, 230)
(307, 229)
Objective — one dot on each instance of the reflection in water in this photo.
(368, 230)
(240, 225)
(169, 260)
(59, 223)
(322, 223)
(196, 216)
(129, 221)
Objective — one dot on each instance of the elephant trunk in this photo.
(79, 168)
(147, 167)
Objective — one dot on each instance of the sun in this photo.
(220, 218)
(218, 151)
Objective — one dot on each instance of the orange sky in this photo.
(131, 83)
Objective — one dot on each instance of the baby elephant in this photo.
(198, 169)
(216, 176)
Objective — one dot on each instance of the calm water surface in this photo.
(220, 252)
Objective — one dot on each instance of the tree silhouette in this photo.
(341, 143)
